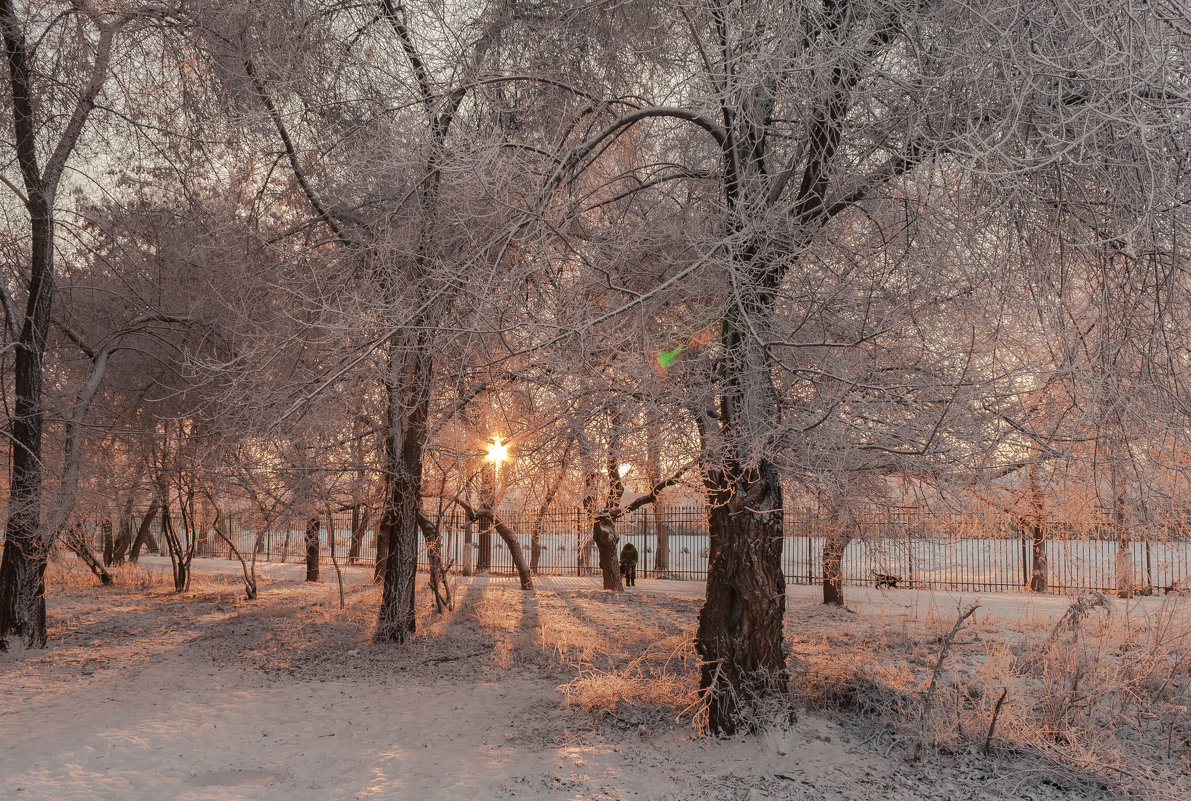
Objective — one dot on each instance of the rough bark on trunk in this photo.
(603, 534)
(22, 594)
(312, 529)
(740, 631)
(406, 434)
(833, 574)
(740, 625)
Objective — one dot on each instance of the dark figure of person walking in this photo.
(628, 564)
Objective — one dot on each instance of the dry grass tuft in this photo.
(662, 678)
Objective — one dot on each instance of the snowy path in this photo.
(149, 696)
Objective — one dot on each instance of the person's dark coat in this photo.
(628, 554)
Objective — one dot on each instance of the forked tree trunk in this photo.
(510, 539)
(181, 549)
(126, 535)
(76, 540)
(312, 528)
(432, 536)
(144, 533)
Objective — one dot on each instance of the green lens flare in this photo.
(664, 359)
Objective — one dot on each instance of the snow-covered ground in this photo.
(567, 692)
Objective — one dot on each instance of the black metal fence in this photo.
(921, 549)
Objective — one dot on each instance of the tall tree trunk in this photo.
(484, 539)
(740, 635)
(109, 541)
(661, 525)
(26, 548)
(603, 527)
(535, 547)
(382, 550)
(312, 528)
(510, 540)
(740, 631)
(468, 566)
(359, 527)
(841, 523)
(406, 433)
(535, 540)
(484, 517)
(1037, 527)
(1124, 557)
(1038, 564)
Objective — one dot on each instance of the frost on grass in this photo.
(1101, 697)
